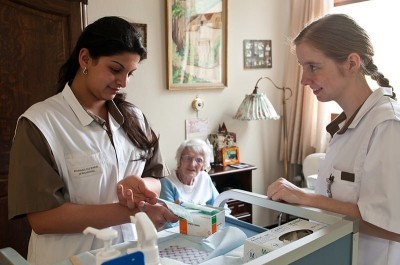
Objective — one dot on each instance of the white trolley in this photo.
(337, 243)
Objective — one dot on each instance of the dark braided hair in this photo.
(106, 37)
(337, 35)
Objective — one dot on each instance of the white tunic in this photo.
(89, 164)
(365, 164)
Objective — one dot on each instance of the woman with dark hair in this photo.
(85, 156)
(359, 176)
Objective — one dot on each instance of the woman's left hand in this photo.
(133, 189)
(158, 213)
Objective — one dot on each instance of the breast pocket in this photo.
(345, 186)
(85, 177)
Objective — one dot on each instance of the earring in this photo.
(85, 71)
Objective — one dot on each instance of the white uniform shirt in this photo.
(365, 163)
(89, 164)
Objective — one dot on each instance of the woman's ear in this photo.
(84, 57)
(354, 62)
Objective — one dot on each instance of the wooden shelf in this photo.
(227, 177)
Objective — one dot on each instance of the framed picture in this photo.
(196, 44)
(230, 155)
(257, 54)
(142, 28)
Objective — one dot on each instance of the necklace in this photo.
(181, 180)
(179, 177)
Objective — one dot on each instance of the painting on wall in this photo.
(257, 54)
(142, 28)
(196, 44)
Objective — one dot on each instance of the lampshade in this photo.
(256, 106)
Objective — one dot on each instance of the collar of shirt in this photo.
(352, 122)
(84, 117)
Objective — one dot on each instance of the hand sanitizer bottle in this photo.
(107, 235)
(147, 238)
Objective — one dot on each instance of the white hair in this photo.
(198, 146)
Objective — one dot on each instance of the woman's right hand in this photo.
(283, 190)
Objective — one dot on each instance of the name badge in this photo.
(347, 176)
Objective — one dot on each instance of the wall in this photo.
(167, 110)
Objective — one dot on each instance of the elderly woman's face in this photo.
(191, 163)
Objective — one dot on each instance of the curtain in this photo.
(306, 117)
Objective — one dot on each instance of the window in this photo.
(381, 28)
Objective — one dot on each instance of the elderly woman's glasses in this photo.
(187, 158)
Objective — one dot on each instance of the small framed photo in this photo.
(230, 155)
(257, 54)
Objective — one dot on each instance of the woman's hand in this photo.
(133, 189)
(286, 191)
(158, 214)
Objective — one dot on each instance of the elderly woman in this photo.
(190, 182)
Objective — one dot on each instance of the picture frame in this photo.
(230, 155)
(142, 28)
(196, 44)
(257, 54)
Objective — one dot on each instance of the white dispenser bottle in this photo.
(147, 238)
(107, 235)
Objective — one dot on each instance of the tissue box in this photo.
(261, 244)
(204, 223)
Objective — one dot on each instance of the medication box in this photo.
(205, 223)
(261, 244)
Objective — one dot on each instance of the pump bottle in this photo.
(147, 238)
(107, 235)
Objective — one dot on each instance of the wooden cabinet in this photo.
(228, 177)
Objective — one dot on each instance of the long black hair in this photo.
(109, 36)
